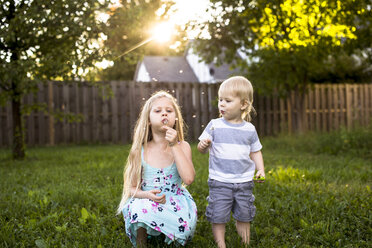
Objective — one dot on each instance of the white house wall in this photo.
(200, 69)
(143, 75)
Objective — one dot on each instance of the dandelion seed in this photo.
(181, 71)
(202, 93)
(143, 98)
(193, 116)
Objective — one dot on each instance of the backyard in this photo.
(317, 194)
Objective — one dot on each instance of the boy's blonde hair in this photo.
(142, 134)
(240, 87)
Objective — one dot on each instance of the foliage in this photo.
(67, 196)
(47, 40)
(44, 40)
(357, 142)
(287, 42)
(129, 25)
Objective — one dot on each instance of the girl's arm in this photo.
(183, 159)
(258, 160)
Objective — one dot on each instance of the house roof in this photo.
(222, 72)
(168, 69)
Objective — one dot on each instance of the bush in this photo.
(356, 142)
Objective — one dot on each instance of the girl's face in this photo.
(162, 113)
(231, 107)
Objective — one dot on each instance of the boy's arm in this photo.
(258, 160)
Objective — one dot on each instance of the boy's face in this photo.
(231, 107)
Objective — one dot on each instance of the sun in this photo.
(163, 32)
(179, 14)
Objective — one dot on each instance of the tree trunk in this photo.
(18, 132)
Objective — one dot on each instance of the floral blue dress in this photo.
(176, 219)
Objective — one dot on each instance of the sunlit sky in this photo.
(182, 12)
(186, 10)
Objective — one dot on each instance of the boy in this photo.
(235, 154)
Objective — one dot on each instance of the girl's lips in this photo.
(165, 121)
(222, 112)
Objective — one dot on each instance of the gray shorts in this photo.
(230, 197)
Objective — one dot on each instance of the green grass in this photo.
(66, 196)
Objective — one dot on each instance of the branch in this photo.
(3, 46)
(3, 87)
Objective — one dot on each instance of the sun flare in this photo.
(163, 32)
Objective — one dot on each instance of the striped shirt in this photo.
(232, 144)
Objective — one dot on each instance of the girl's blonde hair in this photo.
(142, 134)
(241, 87)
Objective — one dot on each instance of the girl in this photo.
(154, 201)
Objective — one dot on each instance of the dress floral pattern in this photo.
(176, 219)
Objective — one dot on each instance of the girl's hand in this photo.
(152, 196)
(170, 135)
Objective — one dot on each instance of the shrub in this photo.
(356, 142)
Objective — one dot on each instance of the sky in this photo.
(183, 11)
(187, 10)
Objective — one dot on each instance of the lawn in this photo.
(314, 196)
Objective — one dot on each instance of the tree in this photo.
(129, 25)
(287, 41)
(43, 40)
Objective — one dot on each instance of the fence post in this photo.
(348, 107)
(50, 110)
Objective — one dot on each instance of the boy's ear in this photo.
(244, 104)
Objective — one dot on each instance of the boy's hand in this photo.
(204, 144)
(152, 195)
(259, 177)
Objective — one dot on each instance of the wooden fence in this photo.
(111, 120)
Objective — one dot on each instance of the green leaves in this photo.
(85, 215)
(40, 243)
(286, 42)
(45, 40)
